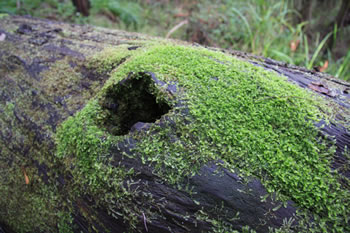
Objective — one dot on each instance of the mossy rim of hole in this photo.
(131, 101)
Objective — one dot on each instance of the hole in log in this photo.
(132, 101)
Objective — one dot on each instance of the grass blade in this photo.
(306, 50)
(319, 47)
(282, 56)
(245, 21)
(344, 65)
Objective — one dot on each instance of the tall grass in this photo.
(268, 28)
(344, 68)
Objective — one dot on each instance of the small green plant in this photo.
(311, 63)
(60, 10)
(128, 12)
(344, 69)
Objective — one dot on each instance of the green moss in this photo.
(83, 147)
(2, 15)
(83, 142)
(9, 107)
(65, 223)
(29, 207)
(249, 118)
(110, 58)
(27, 204)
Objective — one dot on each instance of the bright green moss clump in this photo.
(249, 118)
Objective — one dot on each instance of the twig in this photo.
(176, 28)
(145, 221)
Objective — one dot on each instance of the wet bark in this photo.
(32, 107)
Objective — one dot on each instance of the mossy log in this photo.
(110, 131)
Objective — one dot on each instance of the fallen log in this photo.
(110, 131)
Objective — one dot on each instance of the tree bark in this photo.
(34, 102)
(82, 6)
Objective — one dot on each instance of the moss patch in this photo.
(251, 119)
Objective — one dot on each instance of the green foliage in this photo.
(317, 51)
(265, 29)
(128, 12)
(261, 27)
(344, 67)
(62, 10)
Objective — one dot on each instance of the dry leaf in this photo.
(2, 36)
(324, 67)
(179, 15)
(294, 45)
(26, 178)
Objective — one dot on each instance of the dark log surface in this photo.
(32, 107)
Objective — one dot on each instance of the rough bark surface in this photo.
(34, 102)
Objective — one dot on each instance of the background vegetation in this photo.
(310, 33)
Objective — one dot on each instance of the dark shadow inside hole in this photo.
(132, 101)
